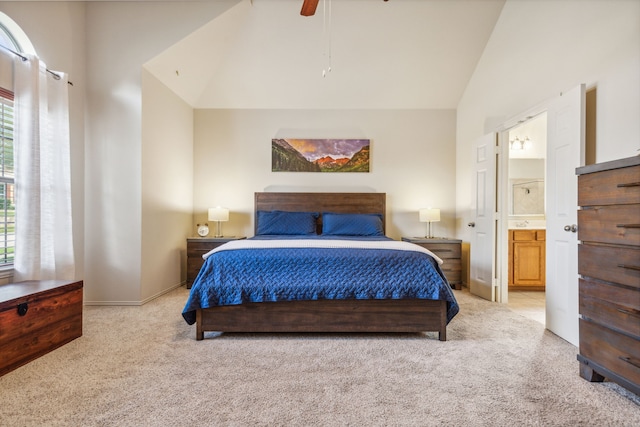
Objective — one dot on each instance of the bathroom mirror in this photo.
(526, 197)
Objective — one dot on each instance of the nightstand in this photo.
(449, 250)
(198, 246)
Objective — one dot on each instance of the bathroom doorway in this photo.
(526, 231)
(570, 140)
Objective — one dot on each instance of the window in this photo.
(7, 183)
(12, 38)
(7, 39)
(7, 180)
(8, 30)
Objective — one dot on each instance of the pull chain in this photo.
(326, 40)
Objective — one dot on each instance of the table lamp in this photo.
(218, 215)
(429, 215)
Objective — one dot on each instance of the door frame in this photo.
(502, 239)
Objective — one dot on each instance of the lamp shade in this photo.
(218, 214)
(429, 215)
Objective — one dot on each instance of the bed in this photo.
(389, 286)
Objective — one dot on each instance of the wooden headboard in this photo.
(321, 202)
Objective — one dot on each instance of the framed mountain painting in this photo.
(319, 155)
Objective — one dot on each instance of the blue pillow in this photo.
(336, 224)
(286, 223)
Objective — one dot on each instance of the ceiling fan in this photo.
(309, 7)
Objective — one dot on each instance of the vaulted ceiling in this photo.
(352, 54)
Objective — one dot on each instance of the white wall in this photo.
(167, 186)
(108, 42)
(412, 160)
(526, 168)
(121, 37)
(541, 48)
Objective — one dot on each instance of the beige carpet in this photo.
(141, 366)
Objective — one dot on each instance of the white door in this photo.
(565, 152)
(483, 226)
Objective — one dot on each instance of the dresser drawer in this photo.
(610, 224)
(193, 268)
(197, 249)
(611, 187)
(610, 263)
(453, 277)
(614, 351)
(451, 265)
(452, 269)
(445, 250)
(615, 306)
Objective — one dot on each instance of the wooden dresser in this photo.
(198, 246)
(449, 250)
(609, 268)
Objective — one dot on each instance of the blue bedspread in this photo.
(239, 276)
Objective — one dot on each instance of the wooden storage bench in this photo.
(36, 317)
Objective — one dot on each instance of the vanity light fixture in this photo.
(518, 144)
(218, 214)
(429, 215)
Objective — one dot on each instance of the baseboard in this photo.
(159, 294)
(134, 303)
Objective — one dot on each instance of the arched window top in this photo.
(12, 36)
(7, 40)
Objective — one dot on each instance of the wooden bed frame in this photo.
(405, 315)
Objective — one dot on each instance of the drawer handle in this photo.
(629, 267)
(628, 225)
(630, 184)
(635, 313)
(22, 309)
(630, 361)
(442, 250)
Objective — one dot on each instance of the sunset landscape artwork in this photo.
(320, 155)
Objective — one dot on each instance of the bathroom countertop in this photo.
(527, 224)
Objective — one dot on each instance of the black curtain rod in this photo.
(24, 58)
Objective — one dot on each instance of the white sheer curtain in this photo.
(44, 239)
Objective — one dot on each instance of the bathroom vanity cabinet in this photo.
(527, 259)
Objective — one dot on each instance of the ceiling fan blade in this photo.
(309, 7)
